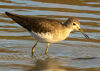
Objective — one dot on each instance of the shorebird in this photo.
(47, 30)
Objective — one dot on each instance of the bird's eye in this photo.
(74, 24)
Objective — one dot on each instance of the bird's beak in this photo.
(81, 30)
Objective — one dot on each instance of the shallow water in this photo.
(74, 54)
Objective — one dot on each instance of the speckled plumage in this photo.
(47, 30)
(36, 24)
(44, 30)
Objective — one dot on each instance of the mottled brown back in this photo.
(36, 24)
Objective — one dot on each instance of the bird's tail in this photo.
(20, 19)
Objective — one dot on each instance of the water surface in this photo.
(16, 43)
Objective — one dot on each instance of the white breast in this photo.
(49, 37)
(43, 37)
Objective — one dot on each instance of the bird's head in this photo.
(74, 25)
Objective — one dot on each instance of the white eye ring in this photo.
(74, 24)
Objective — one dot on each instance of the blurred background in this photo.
(74, 54)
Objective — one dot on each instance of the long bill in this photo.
(87, 37)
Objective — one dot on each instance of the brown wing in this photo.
(36, 24)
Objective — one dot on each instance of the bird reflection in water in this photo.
(48, 64)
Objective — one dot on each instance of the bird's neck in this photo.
(68, 31)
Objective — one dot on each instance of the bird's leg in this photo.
(33, 48)
(46, 51)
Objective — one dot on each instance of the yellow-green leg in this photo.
(33, 48)
(46, 51)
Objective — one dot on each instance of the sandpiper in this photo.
(47, 30)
